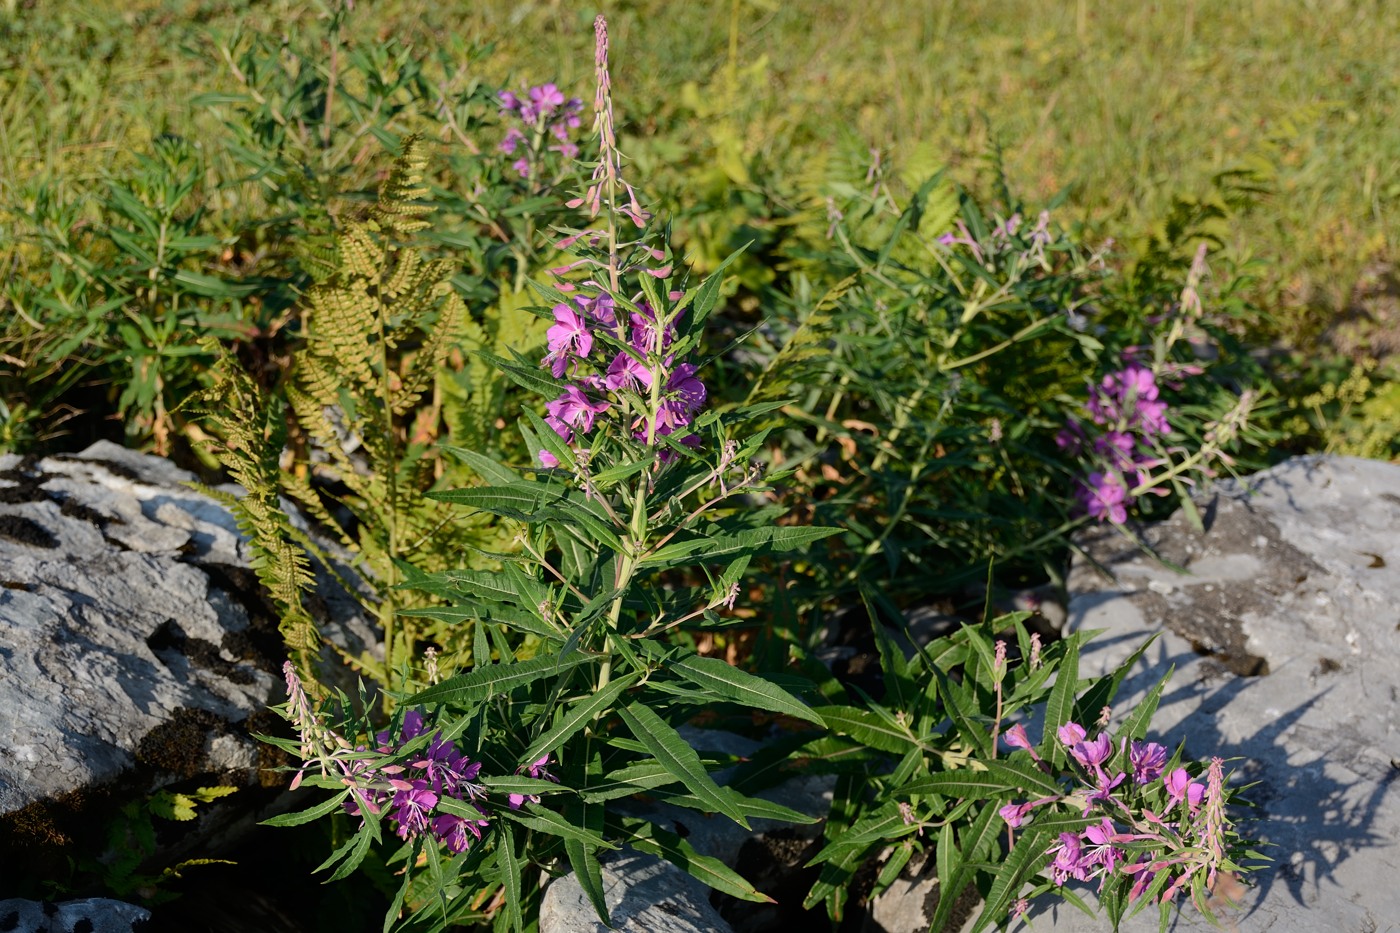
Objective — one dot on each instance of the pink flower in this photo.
(574, 410)
(568, 338)
(1016, 737)
(1180, 787)
(1103, 496)
(1148, 759)
(1071, 734)
(1094, 753)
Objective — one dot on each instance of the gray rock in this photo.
(128, 620)
(102, 915)
(644, 895)
(1285, 634)
(635, 878)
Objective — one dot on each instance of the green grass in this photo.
(1125, 106)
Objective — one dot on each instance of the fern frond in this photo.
(397, 210)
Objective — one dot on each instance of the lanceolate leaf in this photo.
(753, 541)
(469, 689)
(1136, 723)
(1060, 706)
(727, 681)
(547, 821)
(510, 874)
(495, 473)
(306, 816)
(676, 755)
(578, 716)
(866, 727)
(708, 870)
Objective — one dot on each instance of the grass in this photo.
(1125, 107)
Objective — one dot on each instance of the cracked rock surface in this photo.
(131, 628)
(1285, 635)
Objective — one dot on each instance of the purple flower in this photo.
(522, 167)
(509, 102)
(1093, 754)
(1101, 837)
(1014, 813)
(1103, 790)
(1152, 417)
(1117, 448)
(1148, 759)
(1103, 495)
(1071, 734)
(512, 140)
(574, 410)
(546, 97)
(458, 833)
(689, 390)
(414, 802)
(1016, 737)
(1180, 787)
(626, 371)
(1069, 860)
(547, 459)
(568, 338)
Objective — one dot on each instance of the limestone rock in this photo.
(644, 895)
(1285, 634)
(92, 915)
(131, 629)
(634, 878)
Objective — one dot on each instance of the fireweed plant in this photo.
(1124, 435)
(637, 521)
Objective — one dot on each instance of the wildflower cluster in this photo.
(1156, 826)
(379, 781)
(638, 366)
(1130, 419)
(546, 119)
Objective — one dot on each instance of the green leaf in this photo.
(543, 820)
(590, 876)
(676, 755)
(525, 786)
(329, 805)
(358, 848)
(579, 715)
(708, 870)
(1103, 690)
(1025, 859)
(524, 376)
(750, 542)
(488, 469)
(706, 294)
(867, 728)
(510, 872)
(1136, 723)
(468, 689)
(885, 824)
(752, 807)
(1060, 706)
(725, 680)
